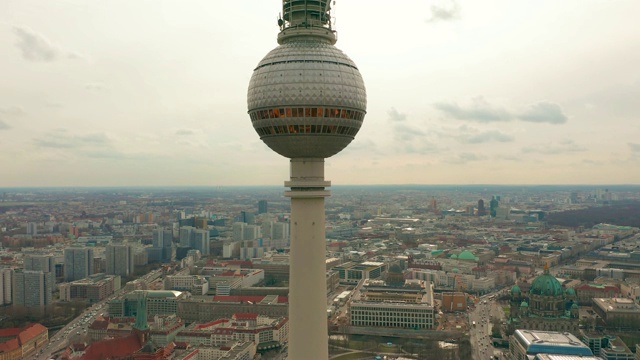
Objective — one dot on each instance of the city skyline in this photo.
(128, 94)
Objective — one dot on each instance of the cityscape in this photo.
(465, 187)
(461, 272)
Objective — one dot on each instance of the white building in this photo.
(394, 308)
(196, 284)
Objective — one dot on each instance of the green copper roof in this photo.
(515, 289)
(453, 256)
(570, 291)
(524, 304)
(546, 285)
(467, 255)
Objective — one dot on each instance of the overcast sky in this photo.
(133, 92)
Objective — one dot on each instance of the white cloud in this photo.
(480, 110)
(33, 46)
(445, 12)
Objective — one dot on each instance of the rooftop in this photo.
(540, 342)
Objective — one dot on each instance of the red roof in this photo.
(9, 346)
(10, 332)
(245, 316)
(31, 333)
(113, 348)
(236, 298)
(209, 324)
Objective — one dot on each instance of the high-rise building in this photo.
(6, 286)
(201, 241)
(45, 263)
(263, 207)
(307, 100)
(32, 289)
(120, 259)
(32, 229)
(186, 236)
(78, 263)
(481, 209)
(162, 246)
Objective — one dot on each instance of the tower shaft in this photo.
(308, 337)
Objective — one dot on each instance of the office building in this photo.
(162, 250)
(263, 207)
(94, 288)
(32, 229)
(380, 305)
(6, 286)
(186, 236)
(78, 263)
(45, 263)
(32, 289)
(201, 241)
(119, 259)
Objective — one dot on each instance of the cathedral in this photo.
(546, 306)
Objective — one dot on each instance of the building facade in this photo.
(78, 263)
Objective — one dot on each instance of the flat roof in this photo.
(540, 342)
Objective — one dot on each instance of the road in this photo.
(76, 330)
(480, 333)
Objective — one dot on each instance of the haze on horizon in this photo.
(142, 93)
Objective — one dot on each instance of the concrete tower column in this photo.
(308, 337)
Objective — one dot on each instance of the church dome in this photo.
(515, 289)
(453, 256)
(546, 285)
(570, 291)
(524, 304)
(574, 306)
(467, 255)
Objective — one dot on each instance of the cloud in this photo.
(448, 12)
(33, 46)
(485, 137)
(4, 125)
(544, 112)
(479, 111)
(634, 147)
(95, 86)
(60, 140)
(396, 116)
(464, 158)
(12, 111)
(184, 132)
(563, 147)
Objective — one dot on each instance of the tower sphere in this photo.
(306, 98)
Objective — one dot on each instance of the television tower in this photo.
(307, 100)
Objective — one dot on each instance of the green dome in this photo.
(570, 291)
(546, 285)
(524, 304)
(574, 306)
(456, 270)
(453, 256)
(515, 289)
(467, 255)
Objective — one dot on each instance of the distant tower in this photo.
(493, 206)
(307, 101)
(262, 207)
(481, 210)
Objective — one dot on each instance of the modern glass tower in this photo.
(307, 101)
